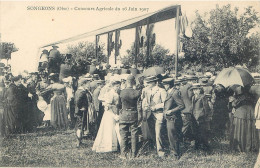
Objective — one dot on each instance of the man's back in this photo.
(186, 95)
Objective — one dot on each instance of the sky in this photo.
(29, 29)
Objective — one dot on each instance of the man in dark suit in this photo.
(186, 95)
(202, 114)
(97, 103)
(129, 117)
(172, 111)
(81, 107)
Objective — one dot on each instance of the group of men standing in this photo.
(166, 113)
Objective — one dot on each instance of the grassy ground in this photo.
(58, 149)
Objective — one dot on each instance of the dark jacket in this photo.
(97, 102)
(200, 108)
(174, 103)
(81, 101)
(186, 95)
(129, 99)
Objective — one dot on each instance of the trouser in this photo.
(189, 127)
(1, 122)
(202, 134)
(73, 119)
(125, 129)
(155, 123)
(174, 126)
(257, 164)
(81, 124)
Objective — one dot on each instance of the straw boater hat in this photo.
(191, 77)
(177, 82)
(168, 81)
(151, 79)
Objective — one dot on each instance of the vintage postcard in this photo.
(129, 83)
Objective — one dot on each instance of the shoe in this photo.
(79, 144)
(177, 157)
(161, 154)
(122, 156)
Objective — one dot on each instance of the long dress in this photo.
(244, 135)
(59, 113)
(108, 136)
(11, 122)
(257, 116)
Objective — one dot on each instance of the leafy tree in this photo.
(220, 38)
(6, 49)
(86, 51)
(159, 56)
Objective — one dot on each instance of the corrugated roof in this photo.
(157, 16)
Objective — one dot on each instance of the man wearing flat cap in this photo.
(81, 107)
(153, 98)
(202, 114)
(129, 116)
(172, 111)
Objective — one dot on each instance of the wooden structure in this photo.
(144, 20)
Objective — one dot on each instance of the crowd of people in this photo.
(122, 110)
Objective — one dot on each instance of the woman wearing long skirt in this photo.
(257, 124)
(244, 136)
(59, 113)
(108, 134)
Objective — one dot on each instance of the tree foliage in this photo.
(6, 49)
(86, 51)
(220, 38)
(158, 56)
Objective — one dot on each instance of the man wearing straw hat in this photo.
(153, 98)
(172, 111)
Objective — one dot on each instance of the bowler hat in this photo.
(16, 78)
(151, 79)
(45, 51)
(54, 46)
(116, 82)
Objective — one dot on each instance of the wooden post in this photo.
(177, 26)
(116, 44)
(136, 45)
(97, 47)
(148, 43)
(108, 48)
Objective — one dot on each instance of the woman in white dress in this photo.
(107, 139)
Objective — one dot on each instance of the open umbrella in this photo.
(234, 75)
(153, 71)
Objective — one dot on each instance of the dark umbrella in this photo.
(234, 76)
(153, 71)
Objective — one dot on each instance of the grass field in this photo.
(58, 149)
